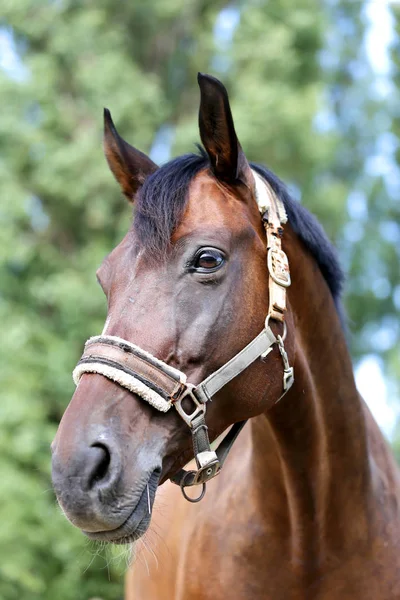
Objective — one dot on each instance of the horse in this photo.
(225, 343)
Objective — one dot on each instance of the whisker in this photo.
(141, 555)
(150, 550)
(90, 563)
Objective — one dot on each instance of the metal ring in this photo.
(284, 326)
(188, 498)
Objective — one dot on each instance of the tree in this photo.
(62, 212)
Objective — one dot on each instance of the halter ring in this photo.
(283, 336)
(182, 485)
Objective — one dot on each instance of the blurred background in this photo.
(315, 88)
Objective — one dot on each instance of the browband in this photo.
(163, 386)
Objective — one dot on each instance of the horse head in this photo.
(187, 286)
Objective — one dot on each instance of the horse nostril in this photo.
(101, 459)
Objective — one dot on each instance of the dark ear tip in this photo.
(204, 78)
(209, 81)
(107, 117)
(108, 122)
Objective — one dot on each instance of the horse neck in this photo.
(310, 450)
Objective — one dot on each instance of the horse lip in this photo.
(132, 528)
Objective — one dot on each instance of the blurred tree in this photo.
(61, 213)
(311, 106)
(396, 443)
(363, 111)
(287, 68)
(391, 233)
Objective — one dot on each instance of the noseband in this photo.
(163, 386)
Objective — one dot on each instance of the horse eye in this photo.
(209, 259)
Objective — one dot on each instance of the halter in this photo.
(163, 386)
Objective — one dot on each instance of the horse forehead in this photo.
(209, 204)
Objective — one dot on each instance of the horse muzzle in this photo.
(94, 496)
(104, 479)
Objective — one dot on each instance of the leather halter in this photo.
(163, 386)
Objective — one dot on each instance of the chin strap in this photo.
(163, 386)
(209, 463)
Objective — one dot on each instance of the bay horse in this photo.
(224, 304)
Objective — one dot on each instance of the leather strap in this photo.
(190, 478)
(274, 216)
(157, 377)
(214, 382)
(130, 348)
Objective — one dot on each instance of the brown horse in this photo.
(307, 504)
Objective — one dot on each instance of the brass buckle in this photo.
(278, 267)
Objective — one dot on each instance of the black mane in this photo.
(162, 200)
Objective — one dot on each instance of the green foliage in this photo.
(61, 211)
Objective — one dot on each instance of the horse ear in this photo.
(217, 131)
(129, 166)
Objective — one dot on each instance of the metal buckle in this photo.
(207, 461)
(266, 325)
(278, 266)
(209, 466)
(288, 372)
(199, 407)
